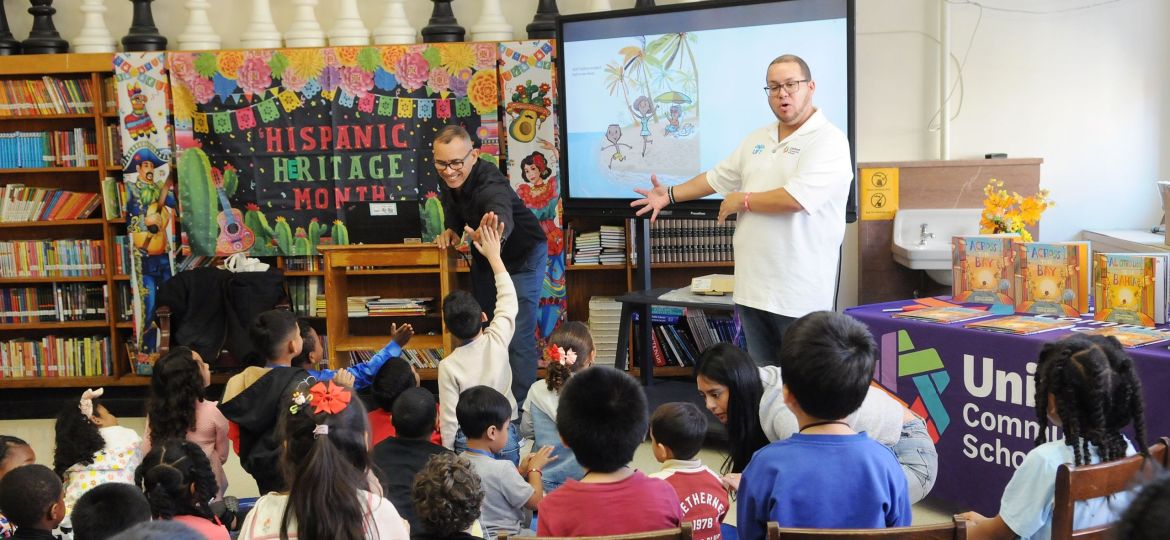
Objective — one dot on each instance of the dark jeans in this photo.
(763, 331)
(522, 351)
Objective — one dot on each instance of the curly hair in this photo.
(446, 495)
(325, 471)
(175, 388)
(167, 475)
(1096, 393)
(570, 336)
(77, 438)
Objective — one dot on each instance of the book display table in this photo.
(976, 387)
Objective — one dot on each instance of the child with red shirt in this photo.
(602, 418)
(676, 433)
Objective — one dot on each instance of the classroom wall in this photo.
(1083, 89)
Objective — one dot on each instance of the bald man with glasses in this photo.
(475, 189)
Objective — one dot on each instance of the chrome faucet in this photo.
(924, 236)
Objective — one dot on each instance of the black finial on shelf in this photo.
(442, 28)
(8, 44)
(643, 4)
(43, 38)
(143, 34)
(544, 24)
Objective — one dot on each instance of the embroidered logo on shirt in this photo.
(787, 149)
(758, 149)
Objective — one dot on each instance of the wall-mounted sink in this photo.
(922, 238)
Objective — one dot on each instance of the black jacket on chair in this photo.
(211, 309)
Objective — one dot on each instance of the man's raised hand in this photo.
(653, 199)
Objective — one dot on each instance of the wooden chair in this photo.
(1092, 481)
(955, 530)
(682, 533)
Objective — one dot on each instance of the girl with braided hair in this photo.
(569, 350)
(325, 461)
(177, 479)
(1087, 386)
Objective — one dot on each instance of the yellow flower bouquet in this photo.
(1011, 213)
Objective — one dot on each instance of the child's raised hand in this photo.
(401, 334)
(538, 459)
(491, 233)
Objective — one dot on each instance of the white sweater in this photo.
(880, 416)
(483, 361)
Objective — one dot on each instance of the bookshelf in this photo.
(386, 270)
(59, 102)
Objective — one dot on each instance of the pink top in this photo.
(205, 527)
(211, 434)
(637, 504)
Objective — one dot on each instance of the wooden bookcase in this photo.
(391, 270)
(93, 69)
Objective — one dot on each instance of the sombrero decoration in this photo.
(143, 155)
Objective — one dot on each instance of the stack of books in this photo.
(613, 244)
(356, 305)
(1033, 277)
(587, 248)
(303, 294)
(605, 317)
(402, 307)
(52, 258)
(25, 203)
(56, 356)
(691, 240)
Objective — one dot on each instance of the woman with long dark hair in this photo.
(179, 409)
(325, 462)
(752, 407)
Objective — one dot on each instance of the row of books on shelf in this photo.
(1055, 279)
(25, 203)
(419, 358)
(680, 335)
(52, 258)
(113, 146)
(56, 356)
(605, 316)
(311, 264)
(691, 240)
(48, 95)
(113, 197)
(306, 296)
(376, 306)
(53, 302)
(604, 246)
(36, 149)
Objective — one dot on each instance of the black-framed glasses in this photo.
(788, 87)
(455, 164)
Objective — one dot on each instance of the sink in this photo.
(933, 255)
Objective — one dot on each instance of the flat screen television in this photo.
(673, 90)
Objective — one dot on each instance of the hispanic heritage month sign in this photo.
(281, 150)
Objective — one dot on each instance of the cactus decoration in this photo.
(340, 233)
(432, 217)
(284, 236)
(199, 200)
(316, 231)
(301, 245)
(255, 220)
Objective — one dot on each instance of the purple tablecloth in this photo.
(976, 389)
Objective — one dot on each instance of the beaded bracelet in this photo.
(670, 194)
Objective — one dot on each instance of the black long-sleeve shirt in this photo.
(487, 190)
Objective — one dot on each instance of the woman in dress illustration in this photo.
(643, 110)
(541, 194)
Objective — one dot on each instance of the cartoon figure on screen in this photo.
(613, 134)
(138, 122)
(674, 126)
(643, 110)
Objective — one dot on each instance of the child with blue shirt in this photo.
(1086, 385)
(313, 352)
(826, 475)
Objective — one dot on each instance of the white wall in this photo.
(1081, 89)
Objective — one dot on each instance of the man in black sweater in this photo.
(476, 189)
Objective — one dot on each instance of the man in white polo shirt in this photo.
(789, 183)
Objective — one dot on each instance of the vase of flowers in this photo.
(1005, 212)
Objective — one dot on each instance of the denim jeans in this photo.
(510, 452)
(919, 458)
(522, 351)
(763, 331)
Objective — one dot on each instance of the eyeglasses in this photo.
(788, 87)
(455, 165)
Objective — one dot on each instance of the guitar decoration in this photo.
(234, 236)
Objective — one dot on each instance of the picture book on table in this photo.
(943, 314)
(1130, 288)
(1132, 336)
(1020, 325)
(984, 269)
(1053, 279)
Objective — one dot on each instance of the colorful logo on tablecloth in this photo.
(925, 369)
